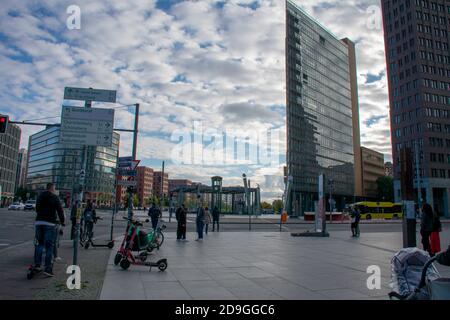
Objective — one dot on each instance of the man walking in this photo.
(181, 223)
(216, 217)
(426, 226)
(200, 221)
(155, 213)
(48, 209)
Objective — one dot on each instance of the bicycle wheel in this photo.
(159, 239)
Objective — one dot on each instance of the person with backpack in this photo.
(155, 213)
(88, 219)
(48, 209)
(180, 215)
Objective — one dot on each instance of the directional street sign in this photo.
(126, 183)
(127, 172)
(128, 163)
(85, 94)
(87, 126)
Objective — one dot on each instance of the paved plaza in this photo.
(261, 265)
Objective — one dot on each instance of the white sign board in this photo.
(86, 94)
(87, 126)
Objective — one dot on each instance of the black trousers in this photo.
(426, 241)
(214, 222)
(181, 231)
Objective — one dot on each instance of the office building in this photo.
(52, 161)
(21, 172)
(145, 185)
(417, 40)
(322, 113)
(9, 153)
(372, 169)
(160, 184)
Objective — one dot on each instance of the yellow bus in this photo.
(379, 210)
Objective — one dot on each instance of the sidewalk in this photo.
(259, 265)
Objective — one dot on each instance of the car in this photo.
(30, 205)
(16, 206)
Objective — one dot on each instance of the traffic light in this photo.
(3, 124)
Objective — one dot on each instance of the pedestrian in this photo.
(353, 221)
(435, 241)
(426, 226)
(155, 213)
(357, 220)
(180, 215)
(207, 219)
(216, 217)
(89, 217)
(48, 209)
(200, 221)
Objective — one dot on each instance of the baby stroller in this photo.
(414, 277)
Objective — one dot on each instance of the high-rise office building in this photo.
(9, 152)
(21, 172)
(52, 161)
(160, 184)
(416, 34)
(322, 113)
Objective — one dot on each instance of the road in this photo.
(17, 227)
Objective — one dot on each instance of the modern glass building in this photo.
(51, 161)
(417, 41)
(9, 152)
(322, 112)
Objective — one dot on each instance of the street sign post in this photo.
(87, 126)
(88, 94)
(127, 183)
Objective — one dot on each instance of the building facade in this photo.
(145, 185)
(372, 169)
(51, 161)
(21, 172)
(160, 184)
(9, 153)
(416, 34)
(321, 106)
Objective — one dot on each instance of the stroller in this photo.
(415, 277)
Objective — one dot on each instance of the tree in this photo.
(266, 205)
(277, 205)
(135, 200)
(21, 194)
(385, 188)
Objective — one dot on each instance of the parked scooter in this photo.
(136, 240)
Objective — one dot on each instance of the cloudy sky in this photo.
(217, 62)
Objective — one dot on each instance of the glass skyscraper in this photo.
(51, 161)
(321, 109)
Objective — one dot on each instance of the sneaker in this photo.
(49, 274)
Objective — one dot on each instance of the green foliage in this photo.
(277, 205)
(266, 205)
(385, 189)
(21, 194)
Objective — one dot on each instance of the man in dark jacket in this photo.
(216, 217)
(181, 225)
(155, 213)
(426, 226)
(48, 209)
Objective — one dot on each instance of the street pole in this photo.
(87, 104)
(162, 186)
(247, 204)
(135, 131)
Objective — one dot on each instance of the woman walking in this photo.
(435, 241)
(426, 226)
(208, 219)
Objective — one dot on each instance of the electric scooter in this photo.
(137, 240)
(86, 236)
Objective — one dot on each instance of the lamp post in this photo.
(331, 185)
